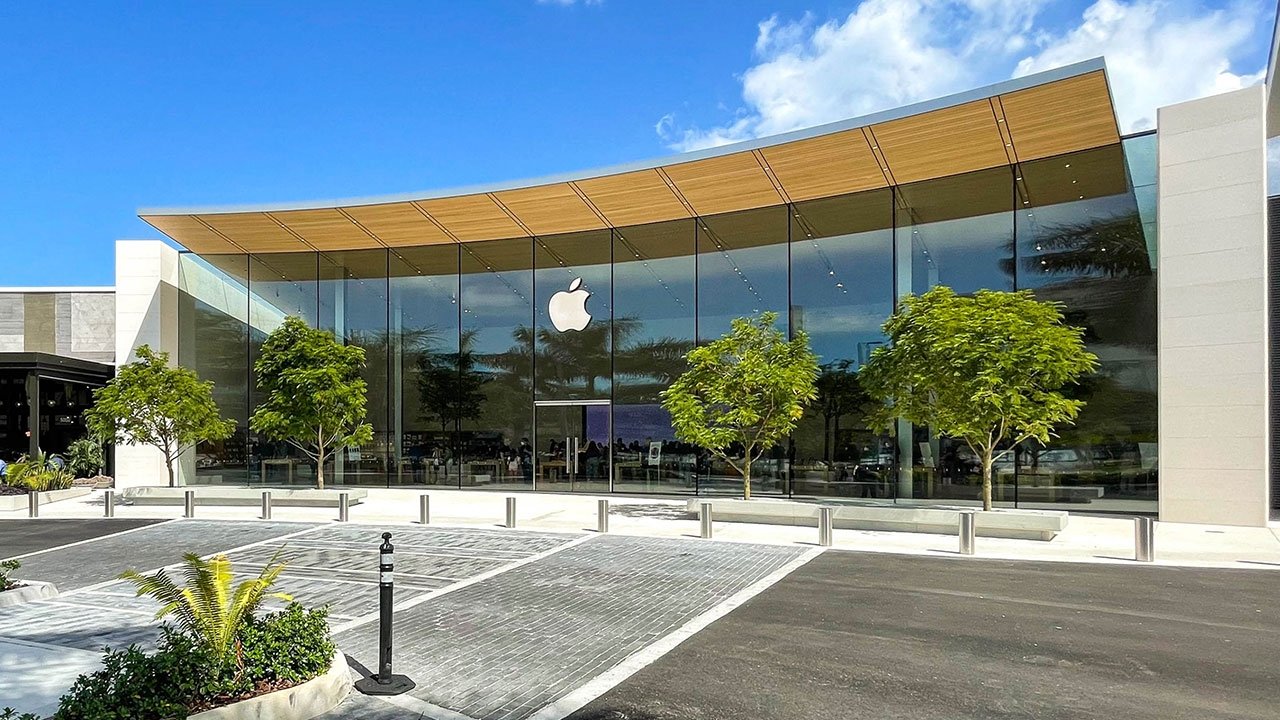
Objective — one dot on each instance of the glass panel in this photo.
(573, 295)
(280, 285)
(573, 448)
(353, 305)
(742, 272)
(959, 232)
(841, 293)
(1081, 243)
(496, 292)
(654, 326)
(434, 385)
(214, 342)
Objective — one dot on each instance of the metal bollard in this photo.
(33, 504)
(968, 526)
(704, 515)
(109, 504)
(189, 503)
(824, 526)
(344, 506)
(1144, 539)
(424, 509)
(385, 682)
(266, 504)
(602, 522)
(511, 512)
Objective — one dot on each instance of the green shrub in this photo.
(182, 676)
(133, 685)
(37, 474)
(6, 582)
(291, 645)
(85, 457)
(11, 714)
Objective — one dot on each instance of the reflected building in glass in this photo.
(520, 337)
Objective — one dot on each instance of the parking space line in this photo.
(600, 684)
(275, 539)
(93, 539)
(468, 582)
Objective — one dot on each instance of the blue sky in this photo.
(107, 109)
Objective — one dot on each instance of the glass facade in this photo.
(537, 363)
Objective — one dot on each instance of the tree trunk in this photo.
(746, 475)
(988, 463)
(319, 461)
(168, 465)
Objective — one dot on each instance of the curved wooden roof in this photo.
(1060, 111)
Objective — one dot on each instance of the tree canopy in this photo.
(150, 403)
(746, 390)
(985, 369)
(313, 394)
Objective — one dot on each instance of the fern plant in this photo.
(208, 607)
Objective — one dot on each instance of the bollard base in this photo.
(397, 685)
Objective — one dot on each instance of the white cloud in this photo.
(889, 53)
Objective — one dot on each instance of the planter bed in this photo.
(213, 495)
(1005, 523)
(19, 502)
(28, 591)
(304, 701)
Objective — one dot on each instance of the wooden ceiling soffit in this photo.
(398, 224)
(944, 142)
(192, 234)
(1061, 117)
(472, 217)
(255, 232)
(550, 209)
(327, 229)
(634, 198)
(724, 184)
(827, 165)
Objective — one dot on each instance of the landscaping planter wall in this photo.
(301, 702)
(248, 497)
(1006, 523)
(29, 592)
(19, 502)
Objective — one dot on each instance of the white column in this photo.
(146, 314)
(1212, 310)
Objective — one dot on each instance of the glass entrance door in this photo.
(571, 447)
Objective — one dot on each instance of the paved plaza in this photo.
(533, 623)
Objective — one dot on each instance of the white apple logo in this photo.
(568, 310)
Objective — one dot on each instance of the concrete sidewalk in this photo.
(1086, 539)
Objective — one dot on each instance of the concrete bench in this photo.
(214, 495)
(1005, 523)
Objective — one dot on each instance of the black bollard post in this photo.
(385, 682)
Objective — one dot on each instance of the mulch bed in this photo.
(11, 490)
(262, 688)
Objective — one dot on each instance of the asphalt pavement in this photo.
(28, 535)
(858, 635)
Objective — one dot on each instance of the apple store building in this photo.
(518, 336)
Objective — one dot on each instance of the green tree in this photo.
(747, 389)
(313, 395)
(986, 369)
(150, 403)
